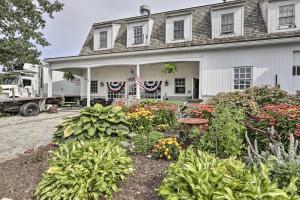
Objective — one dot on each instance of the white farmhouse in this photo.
(217, 48)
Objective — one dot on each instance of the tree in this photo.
(21, 22)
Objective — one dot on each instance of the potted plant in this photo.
(68, 75)
(169, 68)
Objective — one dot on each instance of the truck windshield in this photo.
(10, 81)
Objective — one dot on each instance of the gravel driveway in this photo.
(17, 134)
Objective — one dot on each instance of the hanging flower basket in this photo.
(169, 68)
(115, 87)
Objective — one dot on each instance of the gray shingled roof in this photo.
(254, 29)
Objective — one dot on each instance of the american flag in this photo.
(138, 81)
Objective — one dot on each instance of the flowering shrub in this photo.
(156, 106)
(140, 120)
(284, 117)
(120, 103)
(166, 117)
(167, 148)
(162, 127)
(198, 110)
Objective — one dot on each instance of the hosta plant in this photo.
(84, 170)
(92, 123)
(198, 175)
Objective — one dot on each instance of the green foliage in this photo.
(85, 170)
(1, 90)
(250, 99)
(169, 68)
(198, 175)
(144, 142)
(167, 148)
(20, 25)
(192, 136)
(68, 76)
(283, 173)
(225, 135)
(165, 116)
(92, 123)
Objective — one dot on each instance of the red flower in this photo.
(297, 132)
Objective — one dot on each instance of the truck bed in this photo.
(23, 99)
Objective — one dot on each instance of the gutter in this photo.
(293, 40)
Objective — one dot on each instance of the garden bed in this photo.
(20, 176)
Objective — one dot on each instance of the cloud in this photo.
(68, 30)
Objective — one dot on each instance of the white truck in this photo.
(24, 89)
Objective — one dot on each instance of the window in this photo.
(116, 95)
(227, 23)
(296, 71)
(287, 15)
(138, 35)
(179, 85)
(242, 78)
(103, 39)
(94, 86)
(179, 30)
(132, 89)
(26, 82)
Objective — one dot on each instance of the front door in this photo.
(131, 92)
(196, 88)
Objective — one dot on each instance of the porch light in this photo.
(166, 83)
(101, 84)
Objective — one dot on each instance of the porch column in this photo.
(49, 82)
(138, 88)
(88, 89)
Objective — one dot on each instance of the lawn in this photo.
(247, 150)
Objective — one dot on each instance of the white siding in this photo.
(273, 11)
(187, 28)
(217, 72)
(238, 21)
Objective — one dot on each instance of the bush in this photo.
(166, 117)
(92, 123)
(141, 120)
(192, 136)
(198, 175)
(167, 148)
(85, 170)
(283, 173)
(144, 142)
(226, 133)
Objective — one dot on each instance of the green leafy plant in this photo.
(169, 68)
(167, 148)
(198, 175)
(226, 133)
(140, 120)
(85, 170)
(192, 136)
(144, 142)
(92, 123)
(68, 75)
(165, 116)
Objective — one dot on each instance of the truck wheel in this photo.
(30, 109)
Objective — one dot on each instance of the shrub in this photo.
(93, 122)
(141, 120)
(198, 175)
(167, 148)
(166, 117)
(84, 170)
(283, 173)
(192, 136)
(226, 133)
(144, 142)
(198, 110)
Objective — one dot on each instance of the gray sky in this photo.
(68, 30)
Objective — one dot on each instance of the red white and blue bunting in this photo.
(152, 86)
(115, 86)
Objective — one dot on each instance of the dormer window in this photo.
(138, 35)
(179, 30)
(103, 39)
(287, 16)
(227, 23)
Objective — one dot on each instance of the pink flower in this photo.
(297, 133)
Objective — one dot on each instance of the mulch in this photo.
(19, 176)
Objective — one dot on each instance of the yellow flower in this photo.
(169, 157)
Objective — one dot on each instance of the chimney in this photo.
(145, 10)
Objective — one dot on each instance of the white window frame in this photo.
(283, 16)
(296, 70)
(226, 22)
(177, 85)
(116, 95)
(178, 31)
(138, 35)
(94, 88)
(103, 42)
(241, 78)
